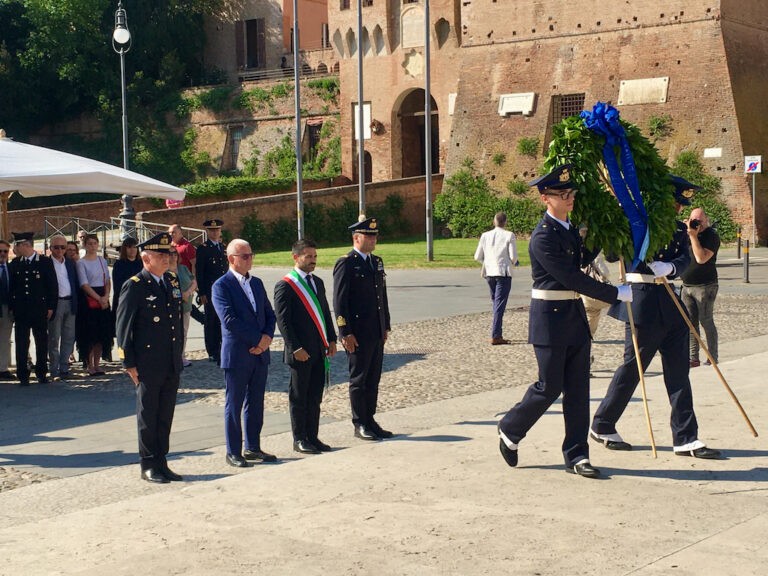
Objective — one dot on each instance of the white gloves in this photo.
(625, 293)
(661, 269)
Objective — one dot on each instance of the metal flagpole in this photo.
(428, 134)
(360, 114)
(297, 106)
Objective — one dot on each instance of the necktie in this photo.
(311, 282)
(3, 285)
(372, 264)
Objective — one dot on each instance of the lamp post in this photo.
(121, 43)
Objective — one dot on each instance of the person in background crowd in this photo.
(188, 286)
(700, 283)
(127, 264)
(149, 344)
(34, 296)
(81, 242)
(497, 250)
(211, 265)
(187, 252)
(6, 317)
(61, 327)
(96, 334)
(362, 315)
(247, 329)
(72, 252)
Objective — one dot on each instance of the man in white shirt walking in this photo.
(497, 251)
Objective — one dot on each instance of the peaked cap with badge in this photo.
(557, 180)
(213, 223)
(683, 190)
(159, 243)
(19, 237)
(365, 225)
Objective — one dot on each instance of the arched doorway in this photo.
(411, 115)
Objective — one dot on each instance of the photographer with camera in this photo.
(700, 282)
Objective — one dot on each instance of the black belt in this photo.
(65, 297)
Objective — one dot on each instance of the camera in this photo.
(694, 224)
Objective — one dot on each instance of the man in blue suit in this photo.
(247, 329)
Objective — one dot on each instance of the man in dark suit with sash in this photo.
(150, 338)
(305, 321)
(558, 328)
(247, 329)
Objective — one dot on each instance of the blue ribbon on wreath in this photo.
(604, 120)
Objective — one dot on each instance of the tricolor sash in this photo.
(309, 299)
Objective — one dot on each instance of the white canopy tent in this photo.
(37, 171)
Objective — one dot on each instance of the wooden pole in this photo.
(5, 234)
(706, 351)
(640, 370)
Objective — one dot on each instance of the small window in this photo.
(325, 34)
(343, 4)
(235, 137)
(367, 3)
(563, 106)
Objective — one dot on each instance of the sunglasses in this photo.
(59, 247)
(244, 256)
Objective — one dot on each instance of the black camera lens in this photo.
(694, 223)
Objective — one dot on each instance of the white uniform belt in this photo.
(537, 294)
(636, 278)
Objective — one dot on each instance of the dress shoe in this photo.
(583, 469)
(703, 452)
(365, 433)
(23, 382)
(259, 456)
(42, 380)
(305, 447)
(694, 364)
(237, 461)
(509, 455)
(379, 431)
(500, 341)
(171, 475)
(6, 375)
(322, 446)
(610, 444)
(154, 475)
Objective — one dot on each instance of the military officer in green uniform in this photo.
(150, 338)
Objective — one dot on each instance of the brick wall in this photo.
(271, 208)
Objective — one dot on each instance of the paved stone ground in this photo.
(427, 361)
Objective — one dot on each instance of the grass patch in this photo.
(407, 253)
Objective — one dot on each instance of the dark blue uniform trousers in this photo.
(244, 402)
(364, 376)
(672, 342)
(155, 405)
(562, 370)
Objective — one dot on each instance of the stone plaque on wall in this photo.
(412, 21)
(643, 91)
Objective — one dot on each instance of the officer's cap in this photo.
(213, 223)
(683, 190)
(365, 226)
(558, 179)
(160, 243)
(19, 237)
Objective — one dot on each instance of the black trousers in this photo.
(672, 342)
(155, 404)
(305, 394)
(562, 370)
(23, 323)
(364, 376)
(212, 331)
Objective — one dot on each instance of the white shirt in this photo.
(65, 290)
(497, 250)
(245, 284)
(304, 277)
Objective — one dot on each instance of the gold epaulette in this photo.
(135, 278)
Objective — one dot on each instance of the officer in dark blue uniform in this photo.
(362, 315)
(211, 265)
(34, 295)
(558, 327)
(660, 327)
(150, 338)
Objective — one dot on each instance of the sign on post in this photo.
(753, 164)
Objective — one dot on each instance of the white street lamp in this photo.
(121, 43)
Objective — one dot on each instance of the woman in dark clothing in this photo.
(97, 326)
(127, 265)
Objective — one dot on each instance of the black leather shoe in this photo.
(611, 444)
(322, 446)
(584, 469)
(24, 383)
(6, 375)
(154, 475)
(365, 433)
(379, 431)
(305, 447)
(171, 475)
(42, 380)
(704, 452)
(509, 455)
(259, 456)
(237, 461)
